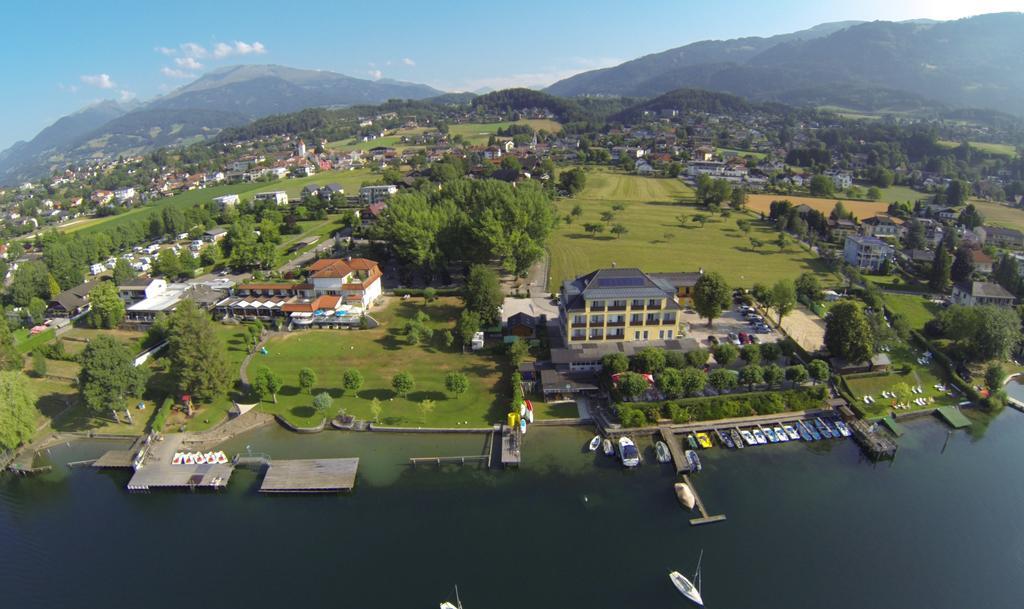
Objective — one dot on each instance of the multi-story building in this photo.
(982, 293)
(866, 253)
(619, 305)
(279, 197)
(368, 195)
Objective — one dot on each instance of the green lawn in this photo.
(925, 376)
(1000, 214)
(989, 147)
(379, 354)
(657, 242)
(899, 193)
(742, 153)
(917, 309)
(349, 180)
(24, 342)
(558, 410)
(478, 133)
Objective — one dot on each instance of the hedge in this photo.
(721, 407)
(160, 418)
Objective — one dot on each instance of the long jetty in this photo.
(682, 466)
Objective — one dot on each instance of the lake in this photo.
(809, 525)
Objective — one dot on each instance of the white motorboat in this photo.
(690, 590)
(791, 432)
(781, 434)
(661, 449)
(628, 452)
(594, 443)
(748, 437)
(685, 495)
(609, 448)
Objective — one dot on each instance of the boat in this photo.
(770, 434)
(811, 429)
(522, 426)
(685, 495)
(791, 432)
(529, 405)
(822, 429)
(843, 429)
(690, 590)
(748, 437)
(759, 436)
(737, 438)
(692, 440)
(804, 433)
(832, 430)
(693, 460)
(594, 443)
(609, 450)
(780, 433)
(456, 605)
(528, 417)
(664, 456)
(704, 440)
(628, 452)
(178, 458)
(522, 409)
(724, 439)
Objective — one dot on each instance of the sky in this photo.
(60, 56)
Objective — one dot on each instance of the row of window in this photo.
(621, 304)
(634, 319)
(618, 334)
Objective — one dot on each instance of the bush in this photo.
(160, 418)
(721, 407)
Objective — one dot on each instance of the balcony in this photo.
(617, 308)
(616, 324)
(578, 324)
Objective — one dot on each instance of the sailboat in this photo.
(690, 590)
(449, 605)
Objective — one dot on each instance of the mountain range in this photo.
(228, 97)
(873, 66)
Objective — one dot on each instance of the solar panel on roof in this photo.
(620, 282)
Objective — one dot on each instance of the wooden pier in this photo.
(461, 459)
(510, 446)
(310, 476)
(704, 517)
(679, 460)
(877, 445)
(156, 470)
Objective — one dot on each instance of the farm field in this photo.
(656, 240)
(742, 153)
(998, 214)
(989, 147)
(478, 133)
(378, 355)
(761, 203)
(349, 180)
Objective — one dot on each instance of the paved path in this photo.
(242, 374)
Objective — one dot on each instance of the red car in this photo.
(744, 338)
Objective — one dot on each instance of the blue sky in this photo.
(61, 56)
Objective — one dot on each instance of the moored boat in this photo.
(609, 449)
(691, 440)
(685, 495)
(804, 433)
(811, 429)
(791, 432)
(748, 437)
(832, 430)
(843, 429)
(704, 440)
(759, 436)
(780, 433)
(594, 443)
(693, 460)
(822, 429)
(690, 590)
(724, 438)
(661, 449)
(628, 452)
(737, 438)
(770, 434)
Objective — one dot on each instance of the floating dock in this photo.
(310, 476)
(878, 446)
(705, 518)
(953, 416)
(678, 455)
(157, 471)
(510, 446)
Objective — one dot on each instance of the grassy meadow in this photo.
(989, 147)
(658, 241)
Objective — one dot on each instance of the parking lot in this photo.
(730, 321)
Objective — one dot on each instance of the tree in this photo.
(37, 309)
(618, 230)
(106, 309)
(738, 199)
(874, 193)
(725, 354)
(31, 279)
(18, 412)
(783, 297)
(266, 383)
(782, 241)
(483, 294)
(722, 379)
(818, 370)
(468, 325)
(323, 402)
(692, 380)
(701, 218)
(615, 363)
(938, 281)
(822, 186)
(770, 352)
(962, 266)
(307, 378)
(607, 216)
(649, 359)
(711, 294)
(594, 228)
(402, 383)
(675, 359)
(796, 374)
(808, 287)
(10, 358)
(956, 195)
(425, 407)
(197, 355)
(773, 374)
(429, 294)
(456, 383)
(995, 376)
(848, 333)
(518, 350)
(376, 410)
(984, 332)
(751, 375)
(167, 264)
(447, 339)
(39, 364)
(670, 382)
(697, 358)
(573, 181)
(632, 384)
(751, 354)
(123, 272)
(108, 374)
(352, 380)
(915, 238)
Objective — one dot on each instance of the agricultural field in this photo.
(989, 147)
(658, 241)
(477, 134)
(379, 354)
(761, 203)
(999, 214)
(740, 153)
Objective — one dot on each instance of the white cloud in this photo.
(188, 63)
(165, 51)
(408, 62)
(375, 74)
(102, 81)
(191, 49)
(223, 49)
(175, 73)
(126, 95)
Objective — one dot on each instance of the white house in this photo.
(369, 195)
(124, 194)
(355, 280)
(225, 201)
(279, 197)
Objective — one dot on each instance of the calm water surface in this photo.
(808, 526)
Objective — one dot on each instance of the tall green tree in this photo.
(18, 412)
(106, 309)
(692, 380)
(10, 358)
(670, 382)
(307, 378)
(456, 383)
(483, 294)
(783, 297)
(108, 375)
(352, 380)
(468, 325)
(711, 294)
(402, 383)
(939, 279)
(123, 272)
(818, 370)
(848, 332)
(197, 355)
(962, 267)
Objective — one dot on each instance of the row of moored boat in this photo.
(808, 431)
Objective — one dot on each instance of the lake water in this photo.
(809, 526)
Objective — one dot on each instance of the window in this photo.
(620, 304)
(636, 335)
(669, 319)
(661, 334)
(596, 334)
(670, 333)
(579, 319)
(637, 302)
(654, 302)
(597, 304)
(645, 334)
(597, 320)
(653, 318)
(579, 334)
(636, 318)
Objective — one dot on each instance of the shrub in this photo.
(160, 418)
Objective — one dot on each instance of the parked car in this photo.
(712, 339)
(762, 330)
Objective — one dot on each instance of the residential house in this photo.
(327, 192)
(522, 325)
(980, 261)
(372, 213)
(368, 195)
(215, 234)
(948, 213)
(225, 201)
(71, 302)
(278, 197)
(310, 190)
(883, 226)
(866, 253)
(841, 228)
(139, 289)
(124, 195)
(1002, 237)
(982, 293)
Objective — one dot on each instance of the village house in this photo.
(71, 302)
(866, 253)
(278, 197)
(225, 201)
(883, 226)
(980, 261)
(1001, 237)
(368, 195)
(982, 293)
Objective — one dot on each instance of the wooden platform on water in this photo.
(953, 416)
(705, 518)
(678, 454)
(310, 476)
(510, 446)
(115, 459)
(158, 471)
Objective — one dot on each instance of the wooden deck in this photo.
(117, 459)
(510, 446)
(157, 470)
(675, 449)
(705, 518)
(310, 476)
